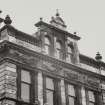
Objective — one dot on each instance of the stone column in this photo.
(40, 88)
(55, 46)
(83, 96)
(63, 97)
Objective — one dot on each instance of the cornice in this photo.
(57, 29)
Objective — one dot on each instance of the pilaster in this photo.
(63, 97)
(40, 88)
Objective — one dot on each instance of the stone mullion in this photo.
(57, 94)
(35, 86)
(78, 95)
(83, 96)
(87, 97)
(98, 98)
(32, 88)
(55, 46)
(44, 90)
(40, 88)
(66, 93)
(18, 83)
(63, 96)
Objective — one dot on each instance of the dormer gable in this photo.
(56, 34)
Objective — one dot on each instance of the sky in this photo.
(86, 17)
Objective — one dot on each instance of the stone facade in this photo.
(78, 80)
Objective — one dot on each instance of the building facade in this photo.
(46, 68)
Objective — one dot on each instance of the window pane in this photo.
(68, 59)
(46, 49)
(47, 41)
(58, 45)
(58, 53)
(71, 90)
(49, 97)
(25, 76)
(25, 92)
(49, 83)
(103, 97)
(69, 49)
(71, 101)
(91, 96)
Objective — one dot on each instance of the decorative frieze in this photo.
(36, 62)
(82, 78)
(28, 59)
(52, 67)
(71, 75)
(93, 81)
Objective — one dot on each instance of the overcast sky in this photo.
(86, 17)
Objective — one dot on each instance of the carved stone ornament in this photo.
(51, 67)
(30, 60)
(85, 79)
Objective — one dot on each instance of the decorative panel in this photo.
(83, 78)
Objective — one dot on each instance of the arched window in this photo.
(47, 45)
(58, 50)
(69, 54)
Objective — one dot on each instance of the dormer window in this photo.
(58, 50)
(69, 52)
(47, 45)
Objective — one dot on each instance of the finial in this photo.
(1, 19)
(52, 18)
(41, 19)
(98, 56)
(57, 12)
(0, 11)
(7, 20)
(75, 33)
